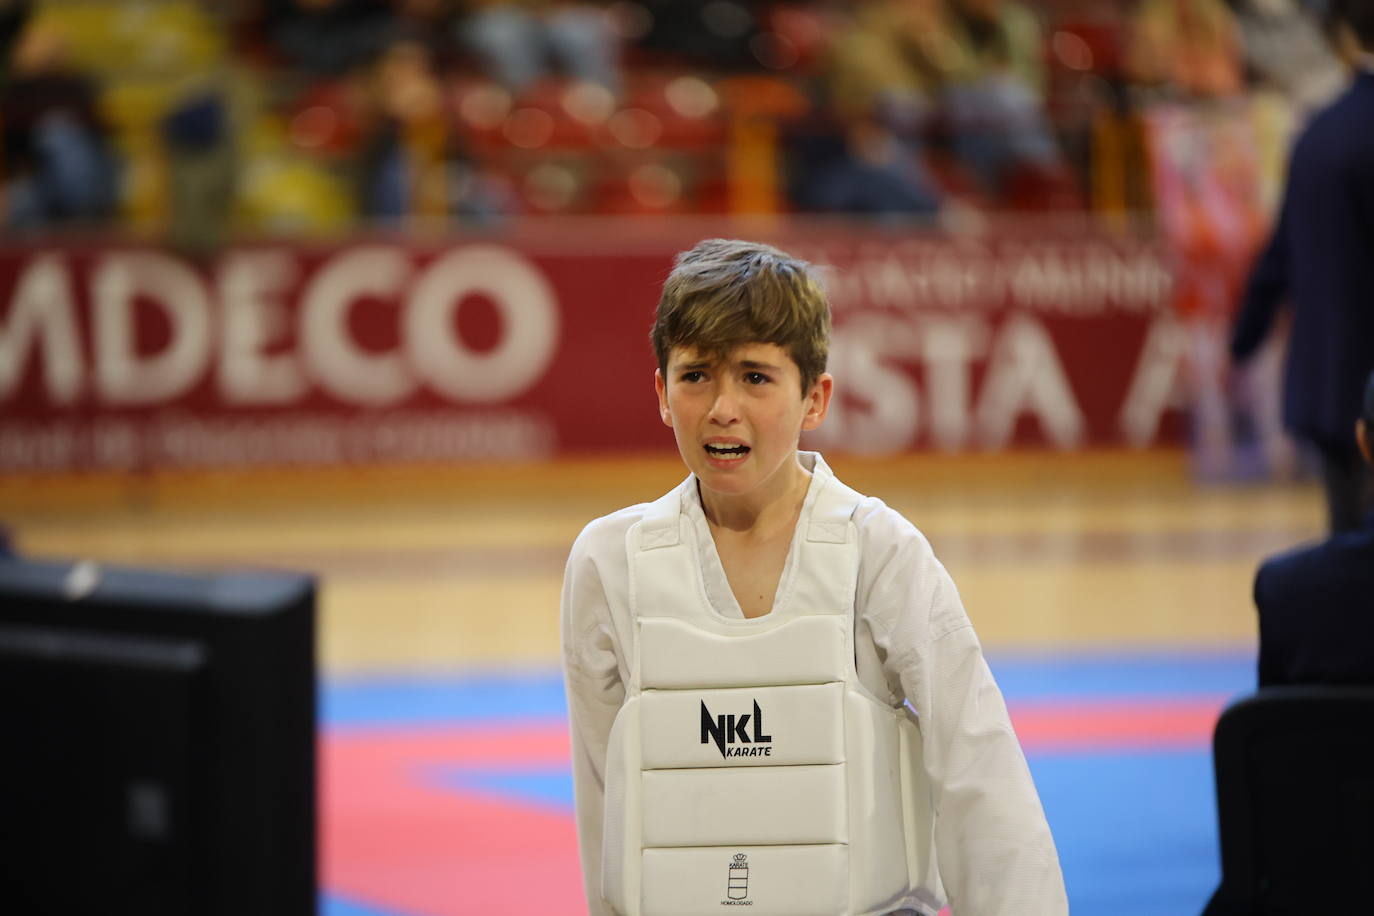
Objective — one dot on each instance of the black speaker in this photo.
(158, 750)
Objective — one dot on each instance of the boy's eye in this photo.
(694, 375)
(755, 378)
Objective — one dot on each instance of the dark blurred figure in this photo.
(1321, 259)
(412, 165)
(1316, 622)
(201, 173)
(407, 137)
(330, 37)
(861, 167)
(518, 42)
(56, 162)
(13, 15)
(719, 34)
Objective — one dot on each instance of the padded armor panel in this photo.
(765, 726)
(675, 654)
(919, 823)
(754, 738)
(746, 805)
(878, 852)
(619, 884)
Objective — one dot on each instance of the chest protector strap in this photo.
(749, 766)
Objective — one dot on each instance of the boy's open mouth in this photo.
(727, 452)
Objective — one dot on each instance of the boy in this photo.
(739, 655)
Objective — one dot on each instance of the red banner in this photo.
(115, 358)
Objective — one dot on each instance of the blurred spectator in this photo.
(966, 76)
(862, 168)
(994, 93)
(1188, 47)
(410, 164)
(13, 15)
(884, 64)
(57, 166)
(973, 66)
(1318, 258)
(878, 83)
(1210, 215)
(408, 134)
(518, 42)
(330, 37)
(995, 37)
(1285, 50)
(1314, 620)
(199, 148)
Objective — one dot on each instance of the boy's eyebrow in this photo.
(708, 363)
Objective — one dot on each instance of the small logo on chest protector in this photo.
(731, 733)
(737, 890)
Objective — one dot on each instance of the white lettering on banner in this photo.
(115, 445)
(42, 310)
(122, 374)
(1157, 382)
(1071, 277)
(28, 447)
(1025, 375)
(339, 365)
(525, 301)
(948, 348)
(301, 439)
(878, 407)
(253, 316)
(959, 276)
(251, 289)
(891, 417)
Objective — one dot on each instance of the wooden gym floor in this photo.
(458, 568)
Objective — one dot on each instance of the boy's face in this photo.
(737, 419)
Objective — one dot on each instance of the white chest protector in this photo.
(749, 766)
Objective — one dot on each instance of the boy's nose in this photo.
(724, 409)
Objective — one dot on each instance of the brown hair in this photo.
(724, 293)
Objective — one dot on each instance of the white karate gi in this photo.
(913, 642)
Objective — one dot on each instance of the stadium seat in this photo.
(1295, 802)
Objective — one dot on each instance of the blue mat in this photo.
(1136, 829)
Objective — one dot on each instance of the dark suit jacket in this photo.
(1321, 257)
(1316, 612)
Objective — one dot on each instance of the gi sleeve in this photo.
(995, 853)
(595, 694)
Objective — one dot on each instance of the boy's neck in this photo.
(763, 512)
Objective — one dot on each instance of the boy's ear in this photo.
(661, 388)
(818, 401)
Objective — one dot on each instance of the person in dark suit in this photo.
(1321, 258)
(1315, 616)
